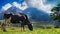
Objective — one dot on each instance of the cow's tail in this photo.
(30, 27)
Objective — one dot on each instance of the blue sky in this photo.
(45, 5)
(3, 2)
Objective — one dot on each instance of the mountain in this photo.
(14, 9)
(33, 13)
(11, 9)
(37, 15)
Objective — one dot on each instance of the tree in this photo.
(56, 13)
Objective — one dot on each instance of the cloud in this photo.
(7, 6)
(40, 4)
(19, 5)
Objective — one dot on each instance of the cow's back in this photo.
(16, 18)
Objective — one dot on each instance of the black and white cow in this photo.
(18, 18)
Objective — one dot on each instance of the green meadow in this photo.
(17, 30)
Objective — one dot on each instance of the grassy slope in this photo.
(36, 31)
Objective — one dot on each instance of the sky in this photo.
(45, 5)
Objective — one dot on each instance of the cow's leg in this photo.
(22, 27)
(3, 26)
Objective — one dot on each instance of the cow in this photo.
(18, 18)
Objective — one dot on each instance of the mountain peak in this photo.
(15, 4)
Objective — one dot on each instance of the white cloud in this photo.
(40, 4)
(7, 6)
(19, 5)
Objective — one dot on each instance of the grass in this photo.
(35, 31)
